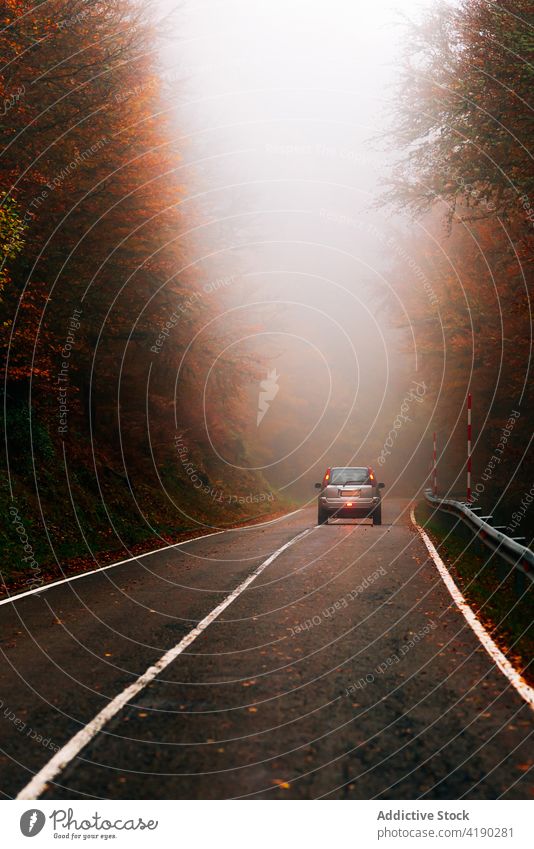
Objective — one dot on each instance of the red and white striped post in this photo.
(468, 447)
(435, 467)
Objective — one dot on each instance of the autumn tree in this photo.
(463, 109)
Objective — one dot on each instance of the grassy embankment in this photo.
(76, 519)
(489, 586)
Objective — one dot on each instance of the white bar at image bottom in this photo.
(313, 824)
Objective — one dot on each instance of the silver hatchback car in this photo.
(349, 492)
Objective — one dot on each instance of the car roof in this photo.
(349, 467)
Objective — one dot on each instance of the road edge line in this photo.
(501, 661)
(73, 747)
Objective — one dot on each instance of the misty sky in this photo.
(278, 106)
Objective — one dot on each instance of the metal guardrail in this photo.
(513, 552)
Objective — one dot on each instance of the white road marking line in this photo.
(45, 587)
(516, 680)
(69, 751)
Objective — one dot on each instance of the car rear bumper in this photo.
(359, 508)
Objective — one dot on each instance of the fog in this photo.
(282, 112)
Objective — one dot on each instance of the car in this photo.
(351, 492)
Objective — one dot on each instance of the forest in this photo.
(466, 177)
(104, 312)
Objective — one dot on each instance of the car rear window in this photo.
(343, 476)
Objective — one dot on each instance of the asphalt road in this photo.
(343, 671)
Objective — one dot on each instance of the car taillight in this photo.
(326, 477)
(371, 476)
